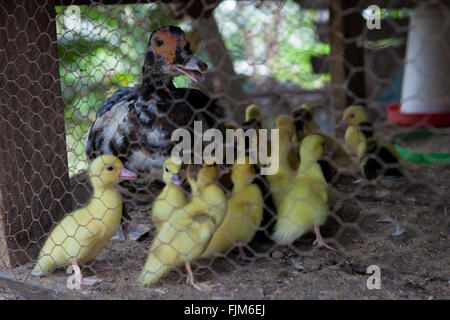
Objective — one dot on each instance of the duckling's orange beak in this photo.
(126, 174)
(342, 123)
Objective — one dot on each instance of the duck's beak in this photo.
(193, 69)
(342, 123)
(176, 179)
(126, 174)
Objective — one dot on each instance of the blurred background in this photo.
(277, 53)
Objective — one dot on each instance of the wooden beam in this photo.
(34, 182)
(336, 60)
(390, 4)
(354, 25)
(347, 53)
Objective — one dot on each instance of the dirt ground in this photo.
(405, 232)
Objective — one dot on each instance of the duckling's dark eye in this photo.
(159, 42)
(214, 164)
(323, 144)
(110, 168)
(167, 169)
(352, 115)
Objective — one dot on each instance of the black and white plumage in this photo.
(377, 161)
(136, 123)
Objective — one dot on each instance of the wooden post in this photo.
(354, 25)
(346, 53)
(337, 70)
(34, 182)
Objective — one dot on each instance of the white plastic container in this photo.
(426, 80)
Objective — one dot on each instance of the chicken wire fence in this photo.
(78, 81)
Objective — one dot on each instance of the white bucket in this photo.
(426, 80)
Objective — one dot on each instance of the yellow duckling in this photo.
(82, 234)
(305, 203)
(305, 125)
(377, 161)
(353, 116)
(304, 122)
(172, 196)
(253, 114)
(280, 180)
(244, 213)
(187, 233)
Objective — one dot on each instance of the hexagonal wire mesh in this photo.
(88, 79)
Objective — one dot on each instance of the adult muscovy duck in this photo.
(136, 123)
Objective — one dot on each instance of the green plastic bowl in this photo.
(416, 156)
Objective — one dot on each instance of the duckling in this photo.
(172, 196)
(244, 213)
(253, 115)
(304, 122)
(280, 180)
(253, 119)
(305, 125)
(353, 116)
(82, 234)
(304, 205)
(187, 233)
(376, 161)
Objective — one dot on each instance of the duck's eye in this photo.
(110, 168)
(159, 42)
(167, 169)
(214, 164)
(352, 115)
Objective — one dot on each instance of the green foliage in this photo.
(274, 39)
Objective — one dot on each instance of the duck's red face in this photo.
(173, 55)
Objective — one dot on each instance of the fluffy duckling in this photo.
(280, 180)
(82, 234)
(304, 122)
(187, 233)
(376, 161)
(253, 115)
(305, 203)
(172, 196)
(244, 213)
(305, 125)
(353, 116)
(253, 119)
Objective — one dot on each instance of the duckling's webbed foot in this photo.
(203, 286)
(319, 242)
(84, 281)
(242, 255)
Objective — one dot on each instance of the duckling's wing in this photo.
(380, 161)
